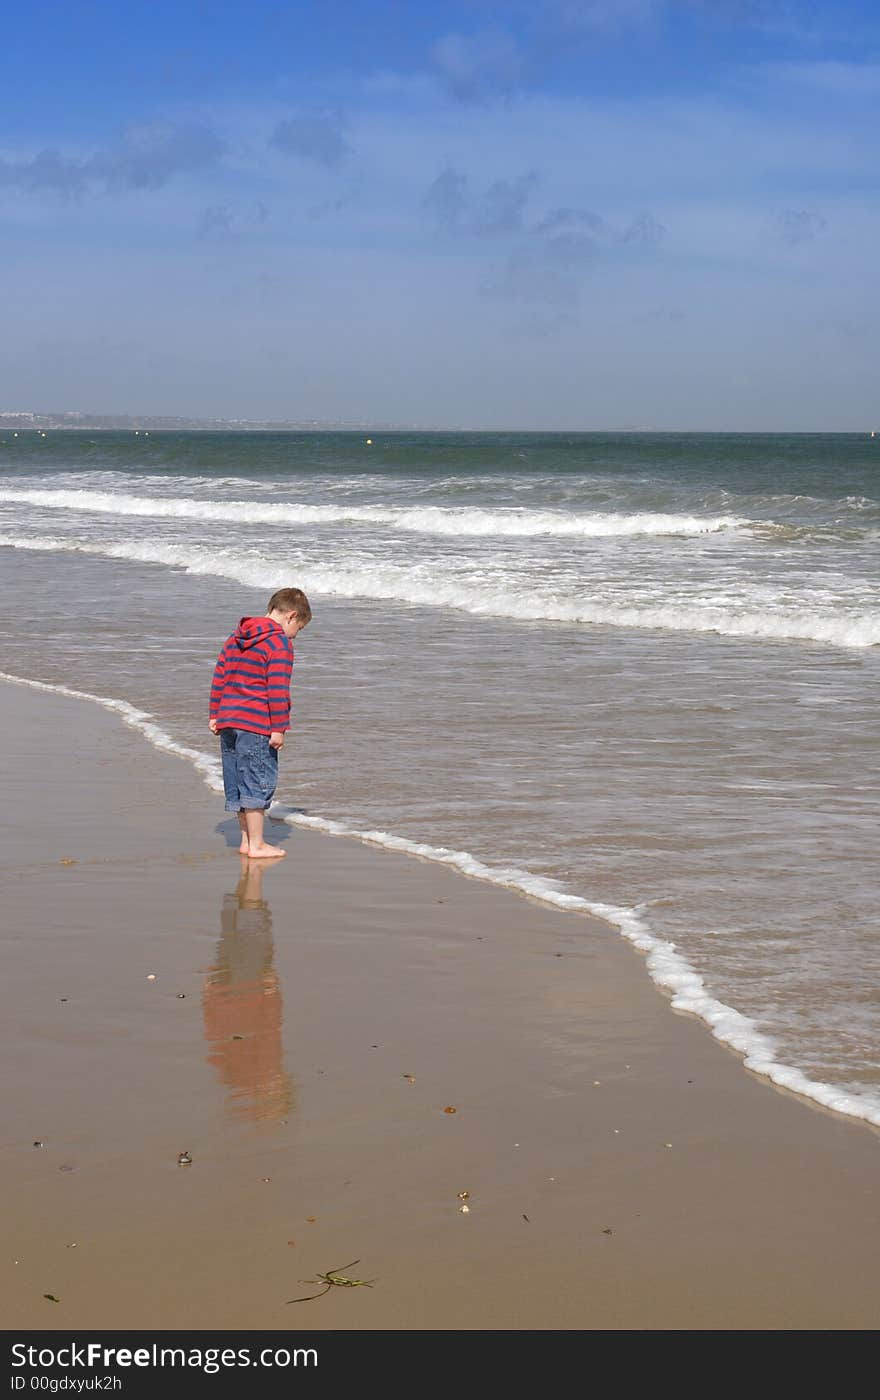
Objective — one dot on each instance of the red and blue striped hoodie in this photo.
(251, 685)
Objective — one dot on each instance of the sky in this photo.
(536, 214)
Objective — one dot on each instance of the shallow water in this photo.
(641, 669)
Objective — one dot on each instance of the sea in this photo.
(627, 673)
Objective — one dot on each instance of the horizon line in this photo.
(26, 421)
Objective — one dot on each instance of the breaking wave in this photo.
(427, 520)
(415, 586)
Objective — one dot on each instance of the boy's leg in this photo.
(229, 760)
(257, 777)
(257, 847)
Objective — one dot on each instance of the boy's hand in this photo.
(276, 740)
(212, 725)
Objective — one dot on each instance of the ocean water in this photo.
(630, 673)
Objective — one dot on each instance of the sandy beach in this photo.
(304, 1032)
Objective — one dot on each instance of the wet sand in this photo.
(302, 1029)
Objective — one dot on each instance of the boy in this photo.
(250, 710)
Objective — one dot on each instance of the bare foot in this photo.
(265, 851)
(244, 848)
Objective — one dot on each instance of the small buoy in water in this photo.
(369, 442)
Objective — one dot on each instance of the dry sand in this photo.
(306, 1031)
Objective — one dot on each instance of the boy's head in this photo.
(290, 607)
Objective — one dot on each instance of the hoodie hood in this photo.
(251, 630)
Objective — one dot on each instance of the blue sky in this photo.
(533, 214)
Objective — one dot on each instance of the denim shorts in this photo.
(250, 770)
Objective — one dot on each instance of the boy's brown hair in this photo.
(291, 600)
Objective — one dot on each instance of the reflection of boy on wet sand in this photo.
(242, 1004)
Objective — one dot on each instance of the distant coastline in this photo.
(143, 422)
(23, 421)
(149, 423)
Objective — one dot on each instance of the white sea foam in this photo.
(428, 520)
(840, 625)
(667, 968)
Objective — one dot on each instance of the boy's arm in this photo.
(279, 665)
(217, 683)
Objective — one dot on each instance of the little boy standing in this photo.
(250, 710)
